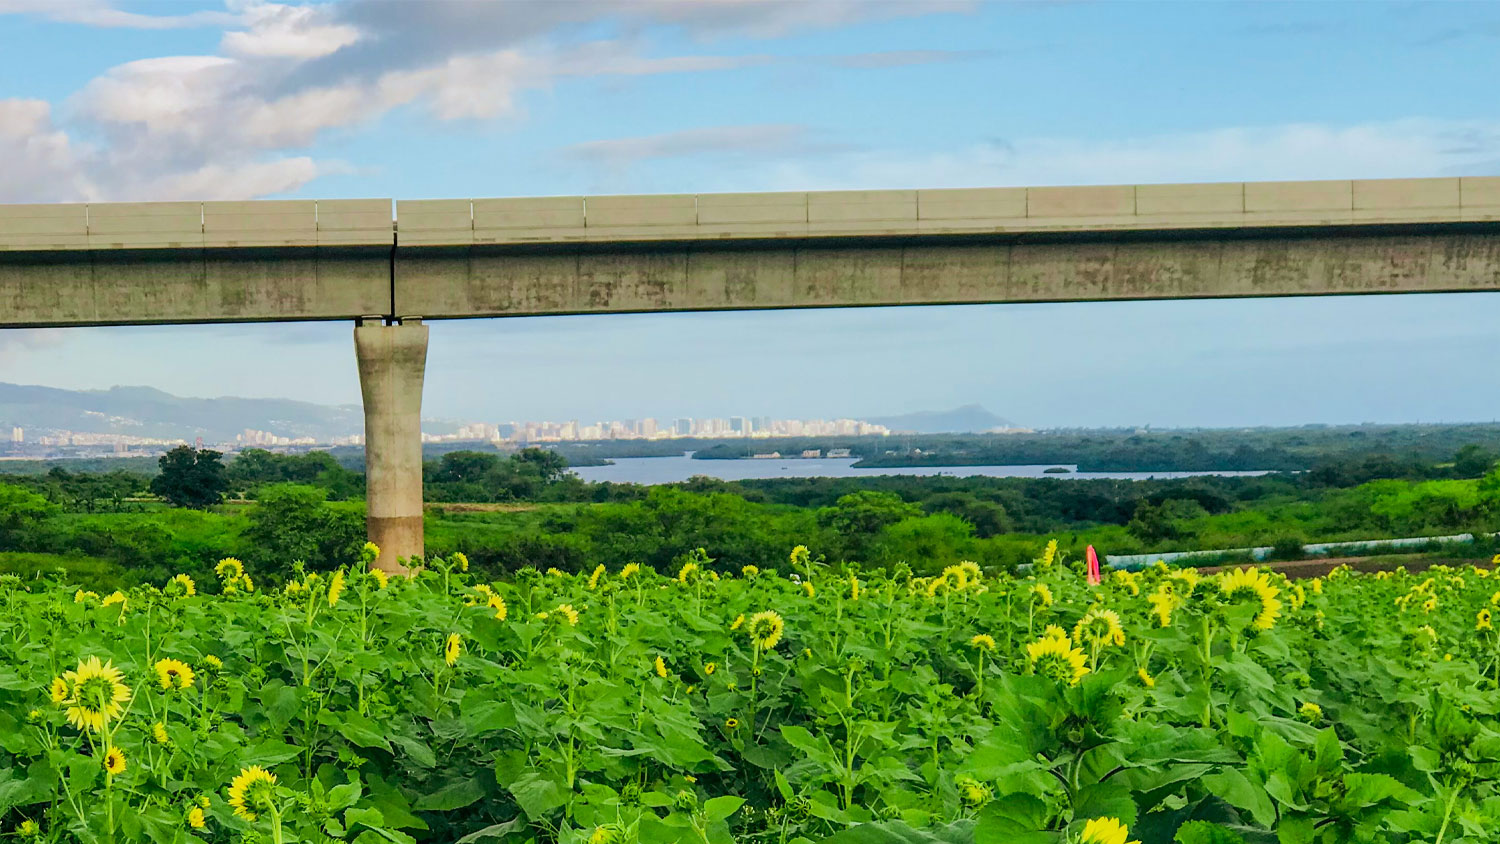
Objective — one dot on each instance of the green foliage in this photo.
(254, 468)
(191, 478)
(99, 574)
(292, 523)
(531, 474)
(21, 512)
(642, 709)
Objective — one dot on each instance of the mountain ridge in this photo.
(970, 418)
(149, 412)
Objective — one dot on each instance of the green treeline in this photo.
(1207, 450)
(526, 509)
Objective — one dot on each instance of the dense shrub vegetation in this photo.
(792, 702)
(511, 511)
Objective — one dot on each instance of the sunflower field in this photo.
(800, 702)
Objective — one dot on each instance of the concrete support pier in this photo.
(392, 359)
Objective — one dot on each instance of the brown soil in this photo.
(482, 507)
(1320, 567)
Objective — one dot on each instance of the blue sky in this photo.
(124, 101)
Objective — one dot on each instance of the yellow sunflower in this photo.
(1057, 658)
(184, 584)
(765, 629)
(1163, 601)
(853, 588)
(229, 569)
(251, 791)
(808, 588)
(1249, 582)
(462, 560)
(983, 641)
(453, 648)
(159, 733)
(661, 667)
(1100, 628)
(1105, 831)
(478, 591)
(96, 692)
(59, 690)
(749, 571)
(381, 578)
(1049, 554)
(114, 761)
(738, 620)
(497, 604)
(630, 570)
(1041, 592)
(972, 792)
(173, 674)
(335, 587)
(972, 569)
(685, 573)
(955, 578)
(1482, 621)
(594, 578)
(1146, 679)
(568, 613)
(195, 818)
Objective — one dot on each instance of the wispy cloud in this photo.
(102, 13)
(1395, 149)
(762, 141)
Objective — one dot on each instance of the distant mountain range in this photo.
(148, 412)
(971, 418)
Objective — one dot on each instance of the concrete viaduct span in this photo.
(389, 266)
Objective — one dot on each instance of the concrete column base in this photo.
(392, 361)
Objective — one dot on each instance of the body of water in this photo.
(666, 470)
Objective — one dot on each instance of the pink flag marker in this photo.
(1093, 558)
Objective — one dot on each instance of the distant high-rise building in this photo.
(683, 427)
(17, 435)
(739, 425)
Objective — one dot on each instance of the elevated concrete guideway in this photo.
(389, 265)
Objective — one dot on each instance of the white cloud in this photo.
(18, 343)
(280, 30)
(102, 13)
(764, 140)
(41, 163)
(1397, 149)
